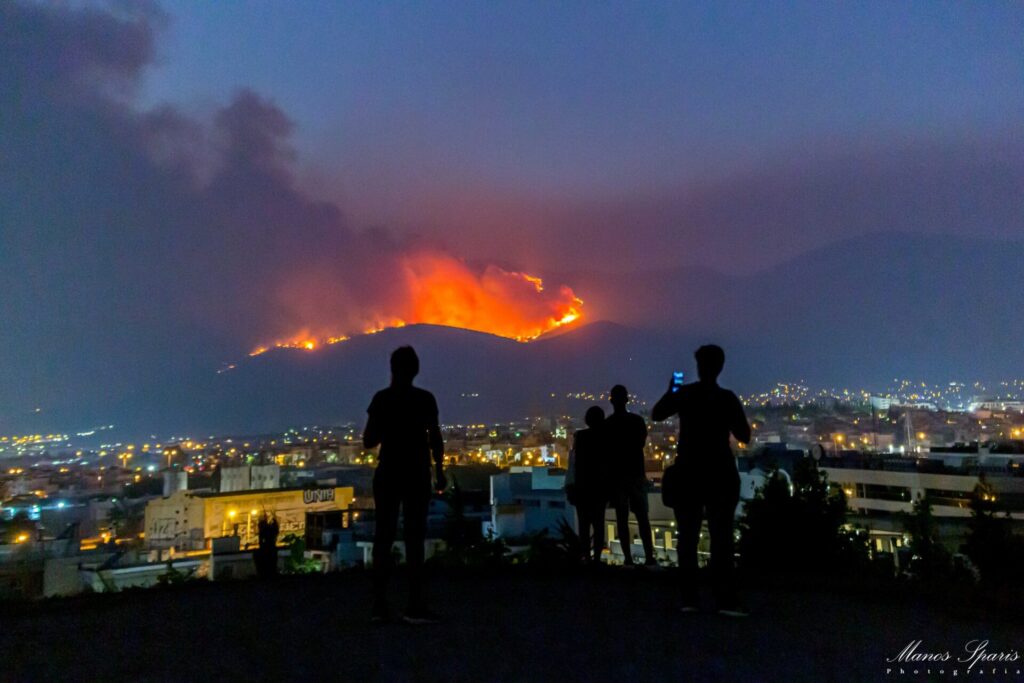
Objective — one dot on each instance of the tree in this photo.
(930, 561)
(991, 545)
(799, 524)
(297, 562)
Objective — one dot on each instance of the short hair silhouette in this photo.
(594, 416)
(405, 364)
(618, 394)
(710, 361)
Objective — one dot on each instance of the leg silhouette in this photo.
(721, 509)
(622, 527)
(414, 520)
(385, 528)
(644, 527)
(688, 522)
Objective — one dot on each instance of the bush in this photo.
(174, 576)
(297, 562)
(991, 544)
(930, 561)
(799, 525)
(546, 551)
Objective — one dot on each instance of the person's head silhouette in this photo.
(710, 361)
(405, 365)
(594, 416)
(619, 397)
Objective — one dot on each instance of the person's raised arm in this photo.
(371, 434)
(665, 407)
(738, 424)
(436, 446)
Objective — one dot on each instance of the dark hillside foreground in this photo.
(515, 625)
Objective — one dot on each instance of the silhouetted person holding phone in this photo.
(708, 480)
(403, 422)
(588, 490)
(626, 435)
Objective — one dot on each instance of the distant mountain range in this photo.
(476, 377)
(857, 314)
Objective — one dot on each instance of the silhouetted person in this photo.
(589, 489)
(709, 481)
(267, 529)
(626, 435)
(403, 422)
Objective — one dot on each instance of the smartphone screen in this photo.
(677, 380)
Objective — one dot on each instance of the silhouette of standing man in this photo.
(627, 435)
(403, 422)
(708, 478)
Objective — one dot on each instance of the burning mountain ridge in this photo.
(246, 254)
(436, 288)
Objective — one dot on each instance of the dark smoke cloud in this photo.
(824, 192)
(139, 246)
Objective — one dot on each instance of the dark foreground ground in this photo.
(516, 625)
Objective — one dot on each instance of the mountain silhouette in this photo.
(475, 376)
(858, 312)
(855, 314)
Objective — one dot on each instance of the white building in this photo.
(250, 478)
(947, 479)
(528, 500)
(995, 405)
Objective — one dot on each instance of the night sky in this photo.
(183, 181)
(463, 119)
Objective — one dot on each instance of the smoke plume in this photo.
(133, 234)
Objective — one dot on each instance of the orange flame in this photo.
(444, 291)
(439, 289)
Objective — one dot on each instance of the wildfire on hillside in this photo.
(438, 289)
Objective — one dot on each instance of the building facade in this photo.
(189, 520)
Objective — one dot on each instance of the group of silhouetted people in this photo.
(606, 470)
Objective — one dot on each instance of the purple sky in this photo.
(181, 180)
(510, 128)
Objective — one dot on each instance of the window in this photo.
(881, 492)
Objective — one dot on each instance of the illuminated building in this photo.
(888, 486)
(190, 520)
